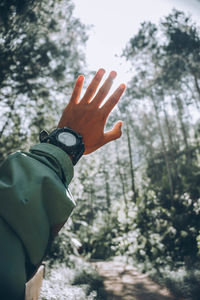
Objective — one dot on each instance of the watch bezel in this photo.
(75, 151)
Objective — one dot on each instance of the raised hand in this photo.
(86, 115)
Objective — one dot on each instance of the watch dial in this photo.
(67, 138)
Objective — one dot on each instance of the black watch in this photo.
(66, 139)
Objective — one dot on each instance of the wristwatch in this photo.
(67, 139)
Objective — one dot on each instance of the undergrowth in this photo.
(79, 281)
(181, 282)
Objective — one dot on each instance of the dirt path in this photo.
(123, 282)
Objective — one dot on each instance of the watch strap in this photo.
(75, 152)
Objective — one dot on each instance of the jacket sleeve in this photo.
(34, 195)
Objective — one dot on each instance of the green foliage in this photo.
(78, 283)
(198, 243)
(65, 244)
(166, 60)
(9, 8)
(167, 236)
(41, 54)
(101, 243)
(90, 277)
(140, 196)
(183, 283)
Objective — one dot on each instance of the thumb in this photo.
(113, 134)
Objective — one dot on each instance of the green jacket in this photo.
(34, 195)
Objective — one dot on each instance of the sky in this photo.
(116, 21)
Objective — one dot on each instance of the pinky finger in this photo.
(77, 89)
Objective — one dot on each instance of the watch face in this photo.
(67, 138)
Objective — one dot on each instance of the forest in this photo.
(138, 197)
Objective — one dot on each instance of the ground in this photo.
(124, 282)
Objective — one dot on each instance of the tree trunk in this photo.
(196, 101)
(169, 173)
(11, 105)
(171, 143)
(180, 117)
(107, 188)
(147, 129)
(197, 85)
(131, 163)
(122, 183)
(91, 200)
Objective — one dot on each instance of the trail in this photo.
(124, 282)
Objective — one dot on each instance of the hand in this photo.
(87, 117)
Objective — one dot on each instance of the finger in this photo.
(77, 90)
(91, 90)
(113, 134)
(103, 91)
(113, 100)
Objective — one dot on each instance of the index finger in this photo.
(77, 89)
(113, 99)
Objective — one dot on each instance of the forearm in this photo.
(34, 195)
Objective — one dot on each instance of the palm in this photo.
(88, 117)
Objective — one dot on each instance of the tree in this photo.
(166, 63)
(41, 51)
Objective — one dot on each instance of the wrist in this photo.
(67, 139)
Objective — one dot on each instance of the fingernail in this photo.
(122, 86)
(113, 74)
(101, 71)
(80, 78)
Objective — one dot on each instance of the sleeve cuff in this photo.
(56, 157)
